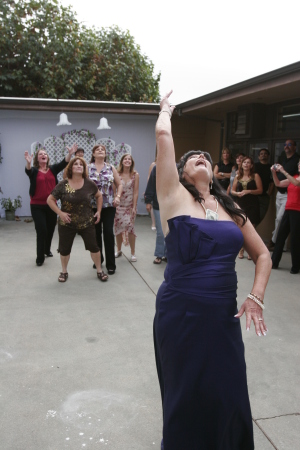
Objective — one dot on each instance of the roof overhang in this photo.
(88, 106)
(273, 87)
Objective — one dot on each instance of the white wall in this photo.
(19, 129)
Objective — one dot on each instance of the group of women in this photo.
(95, 199)
(197, 334)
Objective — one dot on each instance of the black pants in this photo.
(44, 220)
(107, 222)
(290, 223)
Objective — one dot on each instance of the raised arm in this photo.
(71, 151)
(289, 178)
(28, 159)
(167, 181)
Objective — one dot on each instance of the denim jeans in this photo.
(160, 250)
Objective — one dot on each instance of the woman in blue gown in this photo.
(197, 335)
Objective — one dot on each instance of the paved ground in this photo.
(77, 362)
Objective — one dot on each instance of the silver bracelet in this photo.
(258, 302)
(167, 111)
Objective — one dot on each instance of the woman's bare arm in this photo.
(263, 265)
(119, 186)
(136, 192)
(289, 178)
(167, 180)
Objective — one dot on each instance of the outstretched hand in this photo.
(28, 157)
(255, 313)
(72, 149)
(165, 104)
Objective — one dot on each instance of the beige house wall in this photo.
(212, 139)
(191, 133)
(188, 134)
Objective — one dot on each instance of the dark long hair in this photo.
(228, 204)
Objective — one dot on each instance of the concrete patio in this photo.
(77, 360)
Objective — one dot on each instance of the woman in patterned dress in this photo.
(106, 178)
(126, 211)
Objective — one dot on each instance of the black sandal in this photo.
(63, 277)
(102, 276)
(157, 260)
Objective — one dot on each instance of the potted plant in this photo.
(10, 206)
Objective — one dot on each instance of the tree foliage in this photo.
(46, 53)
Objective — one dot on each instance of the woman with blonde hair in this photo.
(126, 211)
(223, 168)
(76, 215)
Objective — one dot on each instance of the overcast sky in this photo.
(200, 47)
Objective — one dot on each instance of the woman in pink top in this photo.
(43, 179)
(290, 222)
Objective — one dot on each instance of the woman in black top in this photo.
(223, 169)
(246, 187)
(43, 179)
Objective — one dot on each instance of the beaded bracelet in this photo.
(256, 296)
(258, 302)
(165, 110)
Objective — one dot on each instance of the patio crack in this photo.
(275, 417)
(267, 418)
(147, 284)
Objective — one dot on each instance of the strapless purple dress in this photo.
(198, 342)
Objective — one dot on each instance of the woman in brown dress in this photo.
(76, 215)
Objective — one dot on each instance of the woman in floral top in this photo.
(106, 177)
(126, 211)
(76, 215)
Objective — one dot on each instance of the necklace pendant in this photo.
(211, 215)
